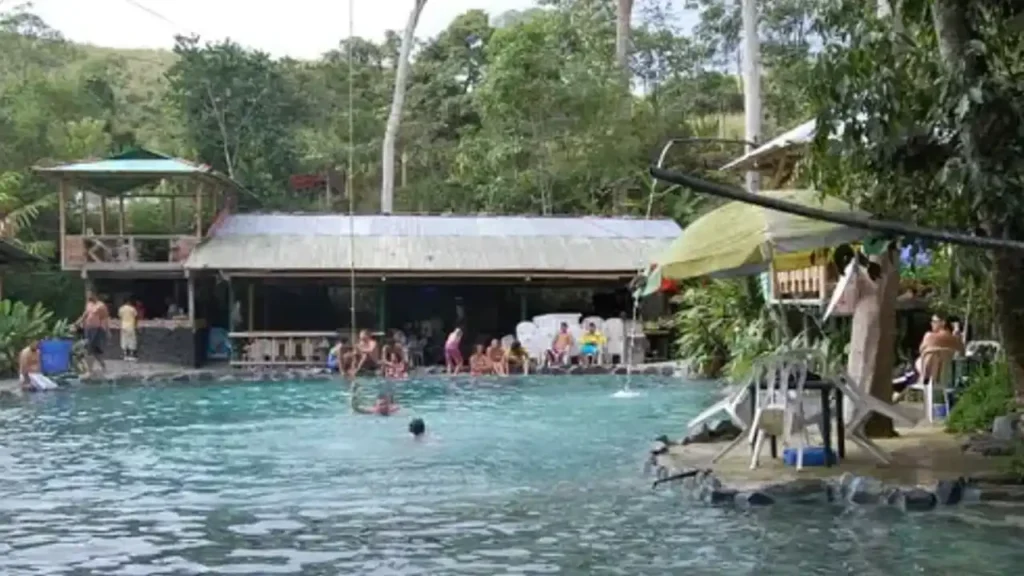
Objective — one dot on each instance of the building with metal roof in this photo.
(440, 246)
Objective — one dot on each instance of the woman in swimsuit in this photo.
(393, 359)
(366, 354)
(452, 354)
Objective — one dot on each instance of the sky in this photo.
(296, 28)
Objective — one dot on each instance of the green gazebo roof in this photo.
(134, 168)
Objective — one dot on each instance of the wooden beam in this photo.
(62, 208)
(251, 297)
(103, 216)
(199, 210)
(191, 300)
(120, 212)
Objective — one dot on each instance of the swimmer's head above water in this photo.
(385, 405)
(417, 427)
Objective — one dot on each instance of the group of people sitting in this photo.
(392, 359)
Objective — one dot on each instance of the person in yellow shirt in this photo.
(591, 343)
(129, 316)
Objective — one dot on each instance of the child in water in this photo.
(385, 405)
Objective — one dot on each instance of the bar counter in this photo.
(164, 341)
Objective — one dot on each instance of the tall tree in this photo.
(239, 111)
(931, 124)
(387, 185)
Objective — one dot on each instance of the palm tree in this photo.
(17, 215)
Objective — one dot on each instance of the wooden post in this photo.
(103, 215)
(62, 208)
(382, 306)
(174, 215)
(85, 210)
(199, 210)
(191, 300)
(120, 215)
(252, 305)
(523, 308)
(231, 306)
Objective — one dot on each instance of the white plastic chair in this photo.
(507, 340)
(975, 346)
(734, 405)
(862, 406)
(942, 358)
(778, 412)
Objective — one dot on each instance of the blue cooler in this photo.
(55, 356)
(813, 456)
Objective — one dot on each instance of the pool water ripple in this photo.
(525, 476)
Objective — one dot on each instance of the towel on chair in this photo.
(39, 383)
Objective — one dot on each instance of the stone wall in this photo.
(164, 345)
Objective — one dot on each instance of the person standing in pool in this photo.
(385, 405)
(417, 427)
(95, 322)
(452, 354)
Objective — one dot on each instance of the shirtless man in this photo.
(560, 345)
(28, 363)
(30, 372)
(941, 335)
(95, 321)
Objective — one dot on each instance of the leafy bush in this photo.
(21, 324)
(989, 394)
(720, 320)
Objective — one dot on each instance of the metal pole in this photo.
(751, 86)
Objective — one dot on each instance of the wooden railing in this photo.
(806, 284)
(127, 250)
(297, 349)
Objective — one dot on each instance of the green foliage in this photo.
(722, 323)
(989, 394)
(21, 324)
(63, 294)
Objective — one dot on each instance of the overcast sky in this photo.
(297, 28)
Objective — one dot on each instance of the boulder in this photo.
(753, 499)
(950, 492)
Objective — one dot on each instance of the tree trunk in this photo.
(387, 186)
(873, 338)
(1008, 278)
(623, 29)
(950, 18)
(623, 33)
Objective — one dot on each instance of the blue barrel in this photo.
(55, 356)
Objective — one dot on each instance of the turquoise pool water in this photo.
(536, 476)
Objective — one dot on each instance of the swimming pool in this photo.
(535, 476)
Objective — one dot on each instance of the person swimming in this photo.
(417, 427)
(385, 405)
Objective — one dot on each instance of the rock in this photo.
(204, 376)
(620, 371)
(725, 430)
(918, 500)
(801, 490)
(1004, 428)
(1004, 494)
(865, 490)
(720, 496)
(667, 371)
(575, 370)
(180, 378)
(752, 499)
(950, 492)
(702, 436)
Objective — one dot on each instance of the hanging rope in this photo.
(348, 175)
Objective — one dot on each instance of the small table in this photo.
(826, 388)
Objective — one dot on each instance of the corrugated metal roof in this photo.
(434, 243)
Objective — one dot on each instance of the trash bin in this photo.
(55, 356)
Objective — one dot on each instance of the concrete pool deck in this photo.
(920, 456)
